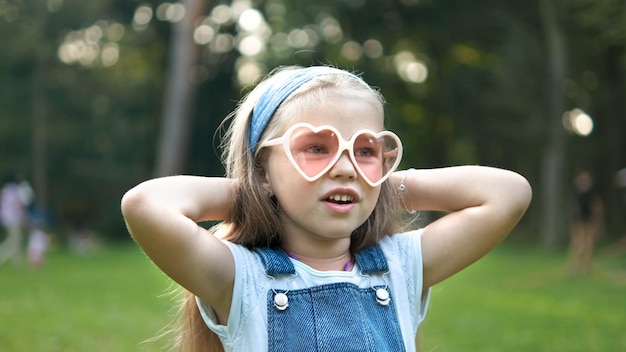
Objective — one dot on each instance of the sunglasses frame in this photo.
(343, 146)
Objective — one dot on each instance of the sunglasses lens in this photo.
(313, 151)
(375, 156)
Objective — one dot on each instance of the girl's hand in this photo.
(483, 204)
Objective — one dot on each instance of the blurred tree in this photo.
(40, 129)
(552, 224)
(597, 85)
(59, 68)
(180, 91)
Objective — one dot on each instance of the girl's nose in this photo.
(343, 167)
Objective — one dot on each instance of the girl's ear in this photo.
(266, 181)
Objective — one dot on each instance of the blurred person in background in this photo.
(587, 222)
(620, 184)
(38, 242)
(15, 197)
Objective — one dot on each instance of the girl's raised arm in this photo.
(162, 214)
(483, 206)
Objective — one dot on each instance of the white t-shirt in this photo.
(247, 322)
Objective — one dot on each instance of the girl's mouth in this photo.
(340, 198)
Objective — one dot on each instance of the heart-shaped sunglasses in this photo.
(315, 150)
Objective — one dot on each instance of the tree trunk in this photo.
(553, 214)
(180, 92)
(39, 138)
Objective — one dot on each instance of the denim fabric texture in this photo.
(331, 317)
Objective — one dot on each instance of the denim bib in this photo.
(331, 317)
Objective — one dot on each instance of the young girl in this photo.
(308, 255)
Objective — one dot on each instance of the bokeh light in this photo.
(578, 122)
(143, 16)
(203, 34)
(409, 68)
(110, 54)
(352, 51)
(251, 46)
(98, 41)
(330, 29)
(250, 20)
(249, 71)
(221, 14)
(372, 48)
(171, 12)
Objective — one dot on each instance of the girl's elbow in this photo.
(131, 201)
(525, 192)
(519, 195)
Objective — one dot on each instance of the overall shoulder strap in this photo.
(372, 260)
(275, 261)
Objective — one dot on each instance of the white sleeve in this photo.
(245, 301)
(424, 297)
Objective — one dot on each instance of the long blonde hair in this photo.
(255, 217)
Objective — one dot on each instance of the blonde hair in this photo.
(255, 219)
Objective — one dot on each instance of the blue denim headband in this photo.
(276, 93)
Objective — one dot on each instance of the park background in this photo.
(100, 95)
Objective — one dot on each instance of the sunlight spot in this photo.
(175, 12)
(238, 7)
(351, 51)
(275, 11)
(221, 14)
(115, 32)
(578, 121)
(250, 20)
(312, 34)
(409, 68)
(279, 42)
(89, 55)
(93, 34)
(372, 48)
(249, 71)
(297, 38)
(143, 15)
(110, 54)
(161, 11)
(203, 34)
(331, 30)
(251, 46)
(222, 43)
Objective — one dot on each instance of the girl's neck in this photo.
(327, 264)
(320, 255)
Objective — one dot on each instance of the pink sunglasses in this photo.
(315, 150)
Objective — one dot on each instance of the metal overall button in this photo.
(382, 296)
(382, 293)
(281, 301)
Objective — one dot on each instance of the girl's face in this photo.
(332, 206)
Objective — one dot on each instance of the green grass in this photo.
(107, 301)
(522, 299)
(515, 299)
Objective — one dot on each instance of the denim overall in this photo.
(331, 317)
